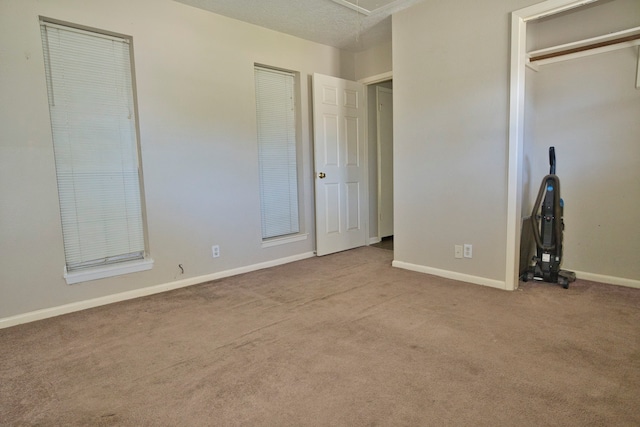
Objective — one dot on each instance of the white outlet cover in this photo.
(468, 250)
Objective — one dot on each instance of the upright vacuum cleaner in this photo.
(547, 227)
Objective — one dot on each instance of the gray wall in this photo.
(451, 117)
(373, 61)
(196, 102)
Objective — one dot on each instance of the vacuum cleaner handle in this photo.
(552, 160)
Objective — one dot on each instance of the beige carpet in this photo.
(342, 340)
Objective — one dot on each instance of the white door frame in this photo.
(519, 20)
(378, 78)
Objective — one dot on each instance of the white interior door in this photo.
(339, 112)
(384, 102)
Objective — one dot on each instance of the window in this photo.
(277, 144)
(93, 120)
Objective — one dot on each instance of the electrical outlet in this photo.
(468, 250)
(457, 251)
(215, 250)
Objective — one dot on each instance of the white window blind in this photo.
(95, 144)
(277, 138)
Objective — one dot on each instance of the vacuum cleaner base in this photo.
(565, 277)
(562, 278)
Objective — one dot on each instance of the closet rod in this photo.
(586, 47)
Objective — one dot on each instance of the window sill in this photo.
(284, 240)
(108, 271)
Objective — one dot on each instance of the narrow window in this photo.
(95, 140)
(277, 144)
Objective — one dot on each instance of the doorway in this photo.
(349, 191)
(380, 138)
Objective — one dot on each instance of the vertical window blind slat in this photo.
(91, 105)
(277, 141)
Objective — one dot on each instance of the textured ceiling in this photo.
(321, 21)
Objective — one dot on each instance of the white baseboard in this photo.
(600, 278)
(137, 293)
(374, 240)
(611, 280)
(451, 275)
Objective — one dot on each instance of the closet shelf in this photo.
(591, 46)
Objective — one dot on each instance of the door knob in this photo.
(321, 175)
